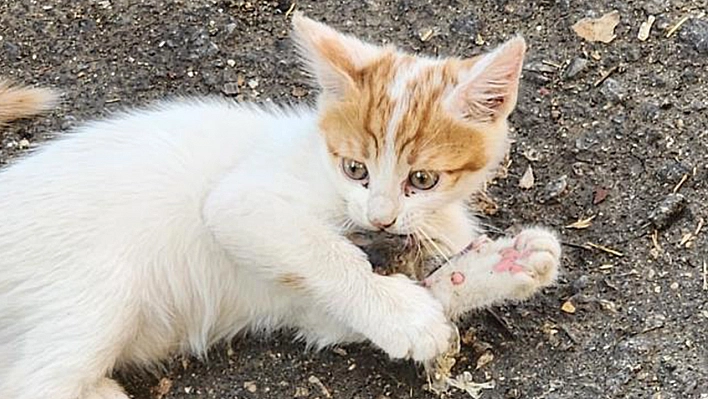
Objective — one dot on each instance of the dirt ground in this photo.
(610, 131)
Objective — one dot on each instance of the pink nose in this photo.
(383, 224)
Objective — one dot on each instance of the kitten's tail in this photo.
(18, 102)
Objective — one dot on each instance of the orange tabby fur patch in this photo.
(426, 136)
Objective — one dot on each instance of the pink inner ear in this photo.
(495, 102)
(489, 93)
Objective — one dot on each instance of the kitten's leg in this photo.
(303, 257)
(67, 337)
(496, 271)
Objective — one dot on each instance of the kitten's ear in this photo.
(332, 57)
(488, 89)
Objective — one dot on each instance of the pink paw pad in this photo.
(509, 261)
(457, 278)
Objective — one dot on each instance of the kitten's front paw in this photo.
(416, 326)
(536, 253)
(497, 271)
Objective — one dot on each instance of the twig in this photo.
(569, 334)
(551, 63)
(604, 249)
(680, 183)
(680, 22)
(503, 323)
(705, 276)
(655, 242)
(606, 75)
(699, 227)
(574, 245)
(290, 10)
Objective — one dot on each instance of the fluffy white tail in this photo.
(18, 102)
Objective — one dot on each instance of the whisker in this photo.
(440, 235)
(433, 244)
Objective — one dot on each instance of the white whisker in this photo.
(433, 244)
(439, 235)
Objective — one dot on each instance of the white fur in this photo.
(167, 230)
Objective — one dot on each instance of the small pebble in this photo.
(576, 66)
(667, 211)
(613, 90)
(695, 33)
(554, 189)
(299, 92)
(230, 89)
(671, 171)
(230, 28)
(580, 284)
(250, 386)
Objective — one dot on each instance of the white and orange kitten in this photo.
(166, 229)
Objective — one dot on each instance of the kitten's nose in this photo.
(382, 211)
(382, 224)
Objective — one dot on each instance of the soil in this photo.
(610, 131)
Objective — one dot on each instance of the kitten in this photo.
(167, 229)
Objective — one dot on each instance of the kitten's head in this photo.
(408, 135)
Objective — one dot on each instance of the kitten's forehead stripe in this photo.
(397, 116)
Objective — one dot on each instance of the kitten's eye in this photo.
(423, 179)
(355, 170)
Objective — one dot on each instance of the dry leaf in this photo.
(469, 337)
(581, 223)
(318, 383)
(527, 180)
(598, 29)
(600, 195)
(465, 383)
(485, 359)
(162, 388)
(485, 203)
(426, 34)
(531, 154)
(568, 307)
